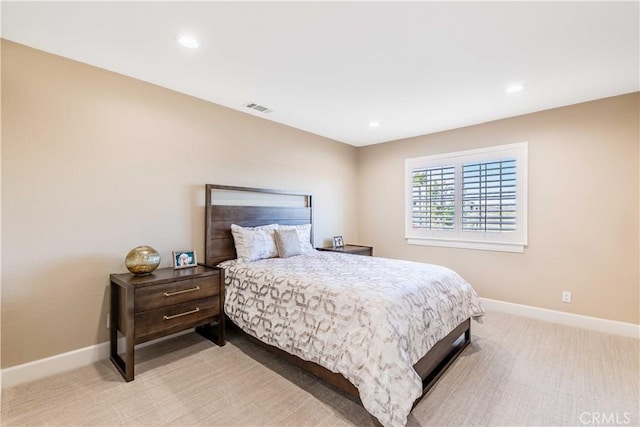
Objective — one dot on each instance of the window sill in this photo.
(464, 244)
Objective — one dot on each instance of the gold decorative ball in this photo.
(142, 260)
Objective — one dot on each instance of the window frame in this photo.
(511, 241)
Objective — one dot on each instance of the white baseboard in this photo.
(577, 320)
(85, 356)
(59, 363)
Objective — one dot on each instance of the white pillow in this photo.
(288, 243)
(254, 243)
(304, 234)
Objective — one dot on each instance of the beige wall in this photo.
(95, 163)
(583, 208)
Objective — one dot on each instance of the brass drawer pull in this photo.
(170, 294)
(195, 310)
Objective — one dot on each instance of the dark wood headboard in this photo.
(218, 244)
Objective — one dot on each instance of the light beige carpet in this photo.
(517, 372)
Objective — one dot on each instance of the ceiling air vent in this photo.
(257, 107)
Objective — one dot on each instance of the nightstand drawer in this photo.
(166, 320)
(363, 251)
(350, 249)
(152, 297)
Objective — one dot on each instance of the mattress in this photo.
(368, 318)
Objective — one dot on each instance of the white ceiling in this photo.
(332, 67)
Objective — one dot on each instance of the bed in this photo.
(348, 319)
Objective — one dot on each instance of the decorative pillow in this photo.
(254, 243)
(288, 243)
(304, 235)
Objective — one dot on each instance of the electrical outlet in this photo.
(566, 296)
(108, 320)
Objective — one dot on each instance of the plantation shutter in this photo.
(433, 198)
(489, 196)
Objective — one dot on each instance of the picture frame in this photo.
(338, 242)
(184, 259)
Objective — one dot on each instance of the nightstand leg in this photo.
(129, 335)
(126, 366)
(113, 327)
(214, 332)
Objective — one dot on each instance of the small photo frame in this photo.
(184, 259)
(338, 242)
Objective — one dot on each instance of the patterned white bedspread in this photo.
(370, 319)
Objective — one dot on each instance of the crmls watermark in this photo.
(596, 418)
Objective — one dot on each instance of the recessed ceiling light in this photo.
(517, 87)
(374, 124)
(188, 41)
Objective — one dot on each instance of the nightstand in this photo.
(164, 302)
(350, 249)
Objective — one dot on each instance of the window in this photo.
(473, 199)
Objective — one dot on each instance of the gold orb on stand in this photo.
(142, 260)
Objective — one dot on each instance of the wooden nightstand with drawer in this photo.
(164, 302)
